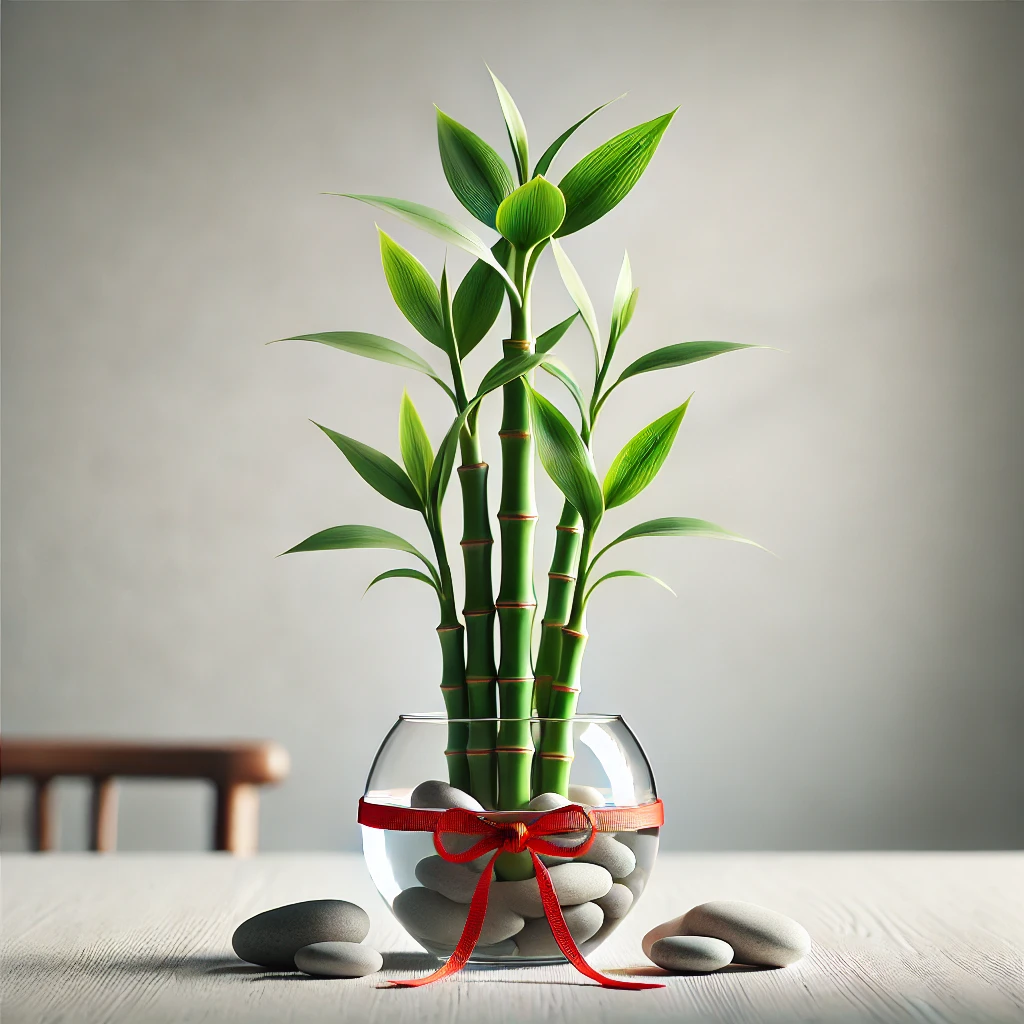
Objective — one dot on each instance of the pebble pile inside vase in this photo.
(595, 891)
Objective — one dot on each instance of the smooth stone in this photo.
(606, 850)
(586, 795)
(548, 802)
(583, 921)
(618, 860)
(573, 883)
(691, 953)
(456, 881)
(643, 844)
(502, 949)
(661, 931)
(271, 939)
(435, 794)
(551, 802)
(616, 902)
(338, 960)
(757, 935)
(635, 882)
(429, 915)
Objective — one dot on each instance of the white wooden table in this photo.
(926, 938)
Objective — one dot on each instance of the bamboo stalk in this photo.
(556, 751)
(481, 674)
(453, 667)
(453, 690)
(516, 604)
(561, 578)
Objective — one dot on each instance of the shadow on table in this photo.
(657, 972)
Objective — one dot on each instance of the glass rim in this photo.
(439, 718)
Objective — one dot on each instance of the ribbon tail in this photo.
(470, 933)
(566, 943)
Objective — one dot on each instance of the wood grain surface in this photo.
(924, 938)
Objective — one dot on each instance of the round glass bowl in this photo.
(430, 897)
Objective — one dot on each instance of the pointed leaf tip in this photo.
(476, 174)
(603, 178)
(515, 126)
(641, 458)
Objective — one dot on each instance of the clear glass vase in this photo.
(430, 898)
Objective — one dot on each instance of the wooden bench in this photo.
(236, 769)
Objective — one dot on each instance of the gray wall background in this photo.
(842, 182)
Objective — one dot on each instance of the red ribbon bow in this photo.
(504, 835)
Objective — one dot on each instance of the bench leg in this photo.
(237, 828)
(103, 820)
(43, 831)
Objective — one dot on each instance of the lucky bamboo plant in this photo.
(491, 692)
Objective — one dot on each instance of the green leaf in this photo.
(618, 573)
(674, 526)
(413, 290)
(373, 346)
(383, 474)
(531, 213)
(516, 128)
(674, 355)
(566, 459)
(627, 313)
(549, 154)
(339, 538)
(620, 303)
(414, 443)
(561, 372)
(603, 178)
(578, 294)
(507, 370)
(641, 458)
(404, 574)
(551, 337)
(440, 225)
(479, 177)
(478, 300)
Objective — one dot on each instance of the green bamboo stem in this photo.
(453, 690)
(453, 667)
(481, 674)
(556, 749)
(561, 578)
(516, 604)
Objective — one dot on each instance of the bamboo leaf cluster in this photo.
(510, 701)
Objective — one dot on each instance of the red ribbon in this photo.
(502, 833)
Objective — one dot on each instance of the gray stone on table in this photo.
(573, 883)
(671, 927)
(691, 953)
(428, 915)
(272, 938)
(616, 902)
(583, 921)
(757, 935)
(338, 960)
(436, 794)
